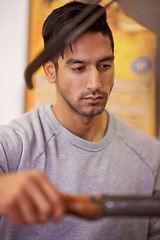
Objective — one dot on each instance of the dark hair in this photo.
(65, 14)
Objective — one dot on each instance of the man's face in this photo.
(85, 75)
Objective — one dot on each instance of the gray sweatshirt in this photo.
(124, 162)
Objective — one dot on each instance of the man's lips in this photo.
(93, 99)
(93, 96)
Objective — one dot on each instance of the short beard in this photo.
(80, 110)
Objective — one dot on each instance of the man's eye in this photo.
(104, 67)
(78, 69)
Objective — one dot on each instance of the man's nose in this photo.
(94, 80)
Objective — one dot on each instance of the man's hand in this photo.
(28, 197)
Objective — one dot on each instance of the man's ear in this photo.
(50, 71)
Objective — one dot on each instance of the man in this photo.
(75, 147)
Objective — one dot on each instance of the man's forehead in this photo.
(91, 38)
(88, 45)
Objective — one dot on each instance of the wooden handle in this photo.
(84, 206)
(95, 207)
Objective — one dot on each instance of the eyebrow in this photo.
(74, 60)
(108, 58)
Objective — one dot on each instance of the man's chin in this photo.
(92, 112)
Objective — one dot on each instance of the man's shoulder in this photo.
(132, 136)
(25, 139)
(30, 124)
(138, 146)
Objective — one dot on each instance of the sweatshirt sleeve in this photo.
(154, 228)
(154, 224)
(10, 149)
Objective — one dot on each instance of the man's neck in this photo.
(90, 128)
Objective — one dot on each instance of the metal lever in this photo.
(95, 207)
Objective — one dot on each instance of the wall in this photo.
(13, 57)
